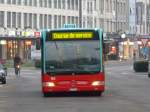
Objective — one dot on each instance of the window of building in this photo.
(41, 3)
(95, 23)
(91, 7)
(88, 22)
(41, 21)
(59, 4)
(95, 5)
(25, 2)
(8, 19)
(30, 2)
(84, 22)
(19, 2)
(13, 1)
(88, 7)
(45, 3)
(30, 20)
(45, 21)
(118, 8)
(14, 20)
(49, 21)
(69, 4)
(35, 3)
(25, 20)
(55, 3)
(63, 20)
(72, 20)
(59, 21)
(69, 19)
(72, 4)
(19, 20)
(1, 19)
(1, 1)
(63, 4)
(77, 21)
(55, 21)
(35, 21)
(111, 6)
(101, 5)
(49, 3)
(8, 1)
(76, 4)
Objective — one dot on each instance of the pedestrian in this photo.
(134, 56)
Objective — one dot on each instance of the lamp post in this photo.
(123, 36)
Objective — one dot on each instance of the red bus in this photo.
(72, 61)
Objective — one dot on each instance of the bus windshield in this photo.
(78, 57)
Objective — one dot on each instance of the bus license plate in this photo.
(73, 89)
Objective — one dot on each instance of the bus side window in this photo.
(38, 44)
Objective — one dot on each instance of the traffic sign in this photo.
(144, 41)
(69, 26)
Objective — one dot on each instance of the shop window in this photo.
(38, 44)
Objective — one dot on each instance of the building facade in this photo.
(143, 27)
(23, 18)
(143, 17)
(20, 19)
(132, 16)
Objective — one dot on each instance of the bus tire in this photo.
(149, 75)
(4, 81)
(46, 94)
(97, 93)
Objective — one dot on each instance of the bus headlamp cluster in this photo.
(48, 84)
(97, 83)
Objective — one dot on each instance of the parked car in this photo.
(149, 69)
(3, 74)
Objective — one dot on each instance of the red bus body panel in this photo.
(68, 83)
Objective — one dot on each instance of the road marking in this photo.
(124, 73)
(29, 76)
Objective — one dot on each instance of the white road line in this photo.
(33, 77)
(124, 73)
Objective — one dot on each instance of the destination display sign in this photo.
(72, 35)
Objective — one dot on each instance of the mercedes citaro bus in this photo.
(72, 61)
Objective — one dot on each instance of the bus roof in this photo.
(73, 29)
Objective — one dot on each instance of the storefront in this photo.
(127, 48)
(12, 45)
(143, 46)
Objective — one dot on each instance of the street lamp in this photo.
(123, 36)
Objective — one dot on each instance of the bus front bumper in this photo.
(52, 88)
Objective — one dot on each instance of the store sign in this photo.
(37, 34)
(18, 33)
(11, 33)
(27, 33)
(144, 41)
(2, 42)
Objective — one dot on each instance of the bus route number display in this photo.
(71, 35)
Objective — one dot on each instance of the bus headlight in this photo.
(48, 84)
(97, 83)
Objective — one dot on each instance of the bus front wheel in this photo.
(97, 93)
(149, 75)
(45, 94)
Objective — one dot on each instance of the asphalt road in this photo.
(126, 91)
